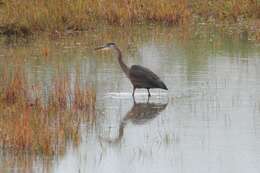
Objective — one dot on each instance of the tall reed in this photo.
(51, 15)
(28, 123)
(27, 16)
(231, 10)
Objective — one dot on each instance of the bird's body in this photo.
(142, 77)
(139, 76)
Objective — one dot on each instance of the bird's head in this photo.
(106, 46)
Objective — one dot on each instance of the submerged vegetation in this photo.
(25, 17)
(29, 123)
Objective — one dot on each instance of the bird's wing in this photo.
(142, 77)
(142, 73)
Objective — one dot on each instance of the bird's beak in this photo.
(101, 48)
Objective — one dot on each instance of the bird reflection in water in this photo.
(139, 114)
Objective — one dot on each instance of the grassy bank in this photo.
(235, 17)
(29, 123)
(29, 16)
(51, 15)
(227, 10)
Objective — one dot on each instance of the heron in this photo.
(140, 77)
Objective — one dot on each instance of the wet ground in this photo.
(208, 121)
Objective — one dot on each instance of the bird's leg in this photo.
(149, 94)
(148, 100)
(133, 94)
(134, 100)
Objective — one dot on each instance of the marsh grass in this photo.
(30, 124)
(59, 15)
(26, 17)
(234, 17)
(227, 10)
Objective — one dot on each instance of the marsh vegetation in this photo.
(30, 16)
(65, 108)
(32, 123)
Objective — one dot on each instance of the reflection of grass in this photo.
(30, 124)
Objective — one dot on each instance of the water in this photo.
(208, 121)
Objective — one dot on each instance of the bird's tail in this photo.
(163, 86)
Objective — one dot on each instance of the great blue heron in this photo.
(139, 76)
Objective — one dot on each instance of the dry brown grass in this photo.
(21, 16)
(131, 11)
(28, 16)
(30, 124)
(240, 16)
(231, 10)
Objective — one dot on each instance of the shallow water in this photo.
(208, 120)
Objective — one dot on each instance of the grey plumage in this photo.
(142, 77)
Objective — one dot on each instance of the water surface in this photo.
(208, 121)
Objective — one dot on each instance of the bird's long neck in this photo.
(121, 62)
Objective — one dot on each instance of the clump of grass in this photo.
(83, 98)
(29, 124)
(131, 11)
(59, 95)
(26, 17)
(240, 16)
(227, 10)
(59, 15)
(15, 91)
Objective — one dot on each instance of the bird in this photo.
(140, 77)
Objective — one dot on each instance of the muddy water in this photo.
(208, 121)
